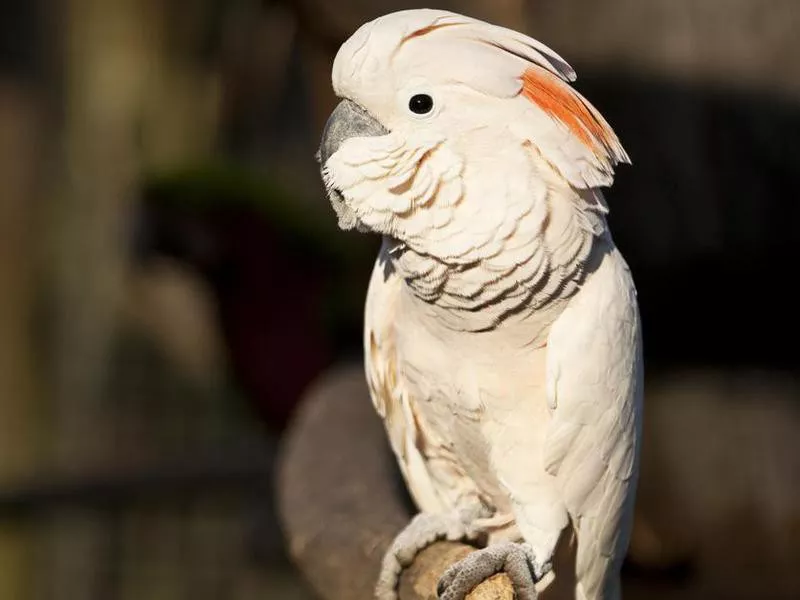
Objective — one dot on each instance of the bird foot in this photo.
(423, 530)
(515, 559)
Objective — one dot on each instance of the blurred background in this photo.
(172, 279)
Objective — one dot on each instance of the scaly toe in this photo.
(462, 577)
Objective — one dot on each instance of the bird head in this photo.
(449, 124)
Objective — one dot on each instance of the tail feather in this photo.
(611, 590)
(597, 574)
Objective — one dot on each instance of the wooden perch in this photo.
(342, 501)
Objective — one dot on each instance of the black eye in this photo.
(420, 104)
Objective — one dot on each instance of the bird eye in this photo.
(420, 104)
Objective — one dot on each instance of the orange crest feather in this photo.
(558, 100)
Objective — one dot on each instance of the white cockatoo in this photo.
(502, 334)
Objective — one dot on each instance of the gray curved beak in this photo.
(347, 120)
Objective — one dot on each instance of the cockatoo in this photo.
(502, 333)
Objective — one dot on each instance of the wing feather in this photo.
(389, 396)
(594, 385)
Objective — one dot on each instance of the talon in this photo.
(514, 559)
(423, 530)
(447, 578)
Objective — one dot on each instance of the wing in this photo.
(390, 397)
(594, 389)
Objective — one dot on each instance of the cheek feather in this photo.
(561, 102)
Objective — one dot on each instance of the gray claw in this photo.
(423, 530)
(512, 558)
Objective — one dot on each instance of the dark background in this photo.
(172, 279)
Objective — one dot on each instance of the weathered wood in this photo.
(342, 502)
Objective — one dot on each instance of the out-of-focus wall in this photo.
(736, 44)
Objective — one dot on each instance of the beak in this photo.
(347, 120)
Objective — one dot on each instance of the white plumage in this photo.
(502, 334)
